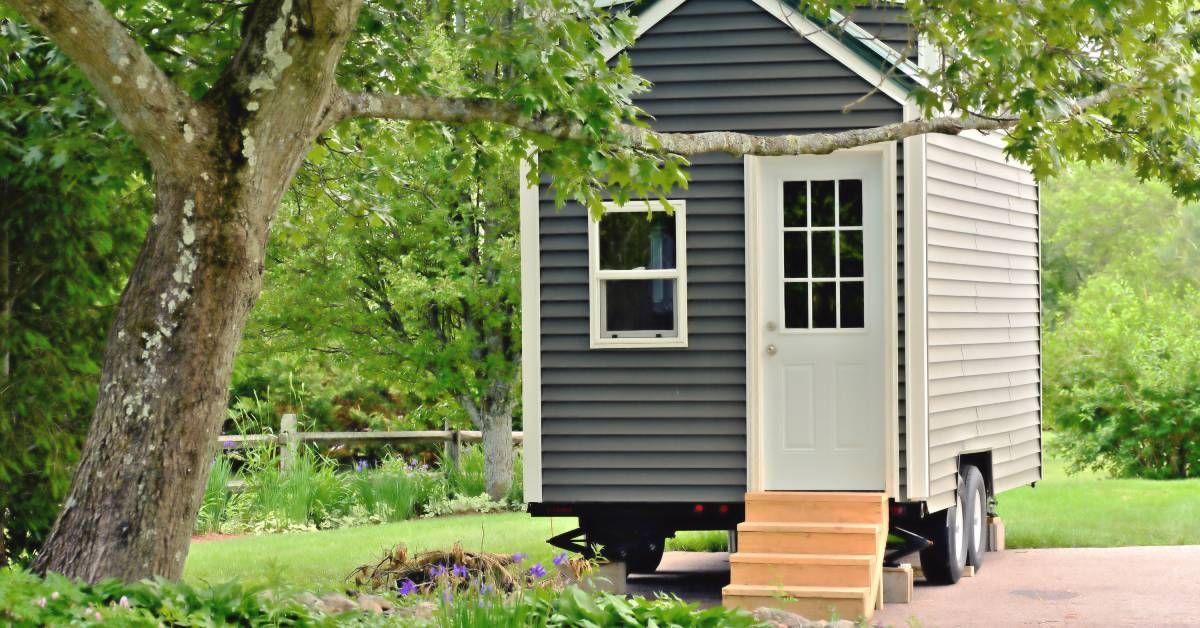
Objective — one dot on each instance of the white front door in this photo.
(821, 298)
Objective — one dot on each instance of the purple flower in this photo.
(360, 465)
(537, 571)
(486, 589)
(124, 601)
(519, 557)
(437, 571)
(560, 560)
(408, 587)
(460, 571)
(228, 444)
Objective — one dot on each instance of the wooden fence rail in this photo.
(290, 437)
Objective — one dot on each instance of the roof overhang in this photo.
(851, 45)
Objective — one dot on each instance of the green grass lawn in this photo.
(1083, 510)
(1088, 510)
(322, 560)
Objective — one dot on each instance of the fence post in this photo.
(288, 440)
(453, 447)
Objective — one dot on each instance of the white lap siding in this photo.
(984, 313)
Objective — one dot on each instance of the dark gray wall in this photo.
(670, 425)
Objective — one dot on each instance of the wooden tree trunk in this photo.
(135, 494)
(222, 165)
(497, 453)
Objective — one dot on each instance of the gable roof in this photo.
(853, 46)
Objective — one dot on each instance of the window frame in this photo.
(837, 279)
(596, 277)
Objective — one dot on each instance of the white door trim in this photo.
(752, 173)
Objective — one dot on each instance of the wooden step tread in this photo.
(802, 559)
(816, 496)
(763, 590)
(785, 526)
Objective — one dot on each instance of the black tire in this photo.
(975, 517)
(943, 562)
(639, 555)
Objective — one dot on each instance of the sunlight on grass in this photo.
(1089, 510)
(322, 560)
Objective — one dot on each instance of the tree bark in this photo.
(164, 386)
(492, 416)
(497, 452)
(7, 305)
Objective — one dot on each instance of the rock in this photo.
(784, 619)
(374, 603)
(334, 603)
(421, 610)
(309, 600)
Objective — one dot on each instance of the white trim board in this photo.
(916, 330)
(815, 35)
(596, 308)
(755, 407)
(531, 335)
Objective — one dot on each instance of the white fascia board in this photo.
(816, 35)
(645, 21)
(531, 336)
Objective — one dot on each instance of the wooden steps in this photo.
(816, 554)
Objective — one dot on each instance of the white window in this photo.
(637, 271)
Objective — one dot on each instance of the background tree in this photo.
(226, 100)
(72, 210)
(1122, 290)
(406, 260)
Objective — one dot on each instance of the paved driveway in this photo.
(1129, 586)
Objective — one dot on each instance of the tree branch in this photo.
(466, 110)
(144, 100)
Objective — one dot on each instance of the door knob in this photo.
(771, 350)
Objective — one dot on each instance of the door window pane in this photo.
(630, 240)
(850, 203)
(822, 203)
(853, 307)
(824, 304)
(851, 253)
(795, 305)
(795, 255)
(795, 203)
(639, 305)
(822, 254)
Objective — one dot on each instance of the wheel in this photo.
(943, 562)
(975, 501)
(640, 555)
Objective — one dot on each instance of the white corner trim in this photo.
(531, 336)
(891, 373)
(752, 182)
(679, 274)
(916, 331)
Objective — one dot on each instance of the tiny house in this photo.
(812, 350)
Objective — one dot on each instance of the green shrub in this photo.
(27, 600)
(468, 479)
(217, 496)
(395, 491)
(1123, 378)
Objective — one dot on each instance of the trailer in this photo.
(814, 351)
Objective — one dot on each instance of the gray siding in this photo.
(670, 424)
(984, 313)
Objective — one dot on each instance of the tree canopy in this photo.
(226, 100)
